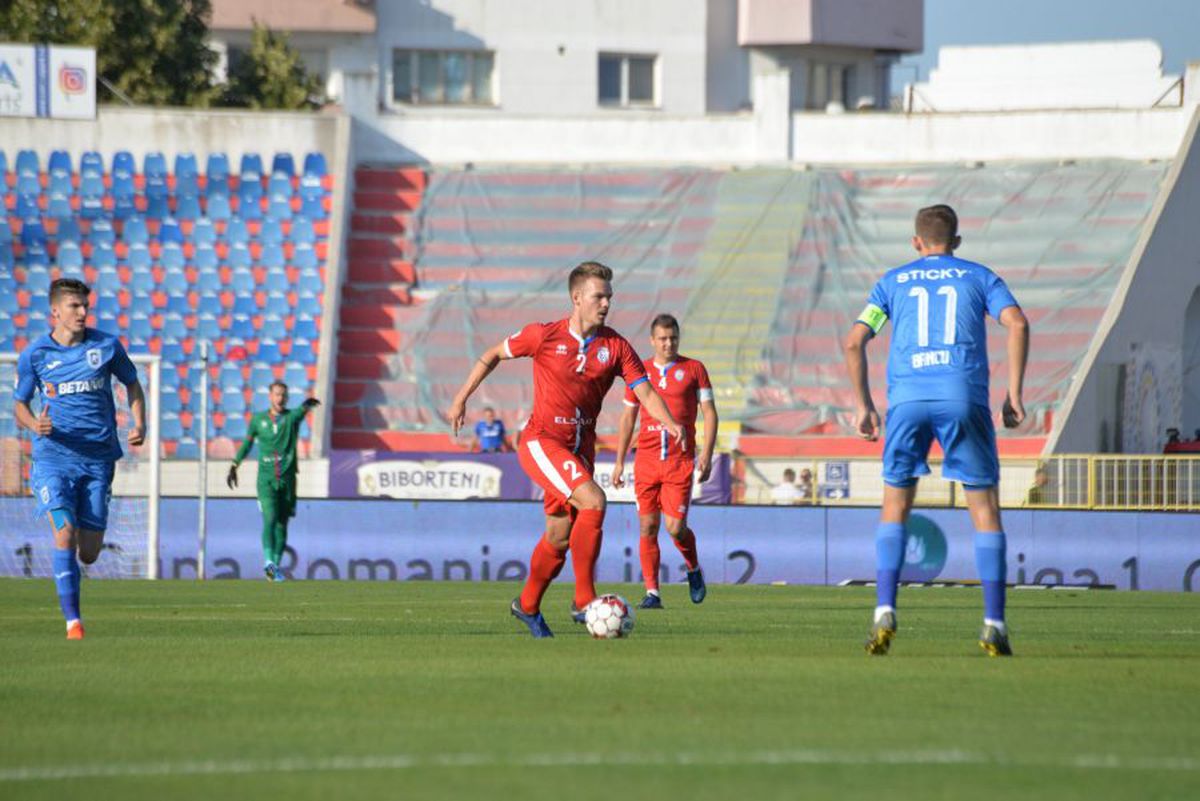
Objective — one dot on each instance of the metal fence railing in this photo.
(1100, 482)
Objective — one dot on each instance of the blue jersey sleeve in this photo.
(877, 310)
(26, 380)
(122, 367)
(480, 428)
(998, 296)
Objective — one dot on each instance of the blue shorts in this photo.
(83, 489)
(964, 430)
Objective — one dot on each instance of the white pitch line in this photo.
(217, 767)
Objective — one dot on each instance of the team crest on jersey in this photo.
(602, 355)
(679, 375)
(561, 350)
(93, 358)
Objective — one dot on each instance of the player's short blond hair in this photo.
(586, 270)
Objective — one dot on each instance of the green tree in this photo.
(271, 76)
(154, 52)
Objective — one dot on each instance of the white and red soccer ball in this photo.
(608, 617)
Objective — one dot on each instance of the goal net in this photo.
(131, 540)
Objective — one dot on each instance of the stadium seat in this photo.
(270, 233)
(235, 427)
(123, 169)
(242, 280)
(28, 169)
(273, 327)
(216, 171)
(187, 449)
(58, 205)
(314, 164)
(277, 305)
(304, 256)
(242, 327)
(230, 377)
(91, 163)
(139, 261)
(236, 232)
(169, 231)
(59, 169)
(172, 354)
(33, 233)
(170, 427)
(218, 208)
(233, 402)
(205, 257)
(174, 327)
(172, 256)
(155, 166)
(174, 279)
(306, 328)
(268, 351)
(308, 306)
(261, 398)
(108, 282)
(9, 304)
(310, 282)
(204, 232)
(102, 232)
(208, 327)
(313, 207)
(277, 281)
(239, 256)
(302, 231)
(283, 165)
(295, 375)
(140, 303)
(37, 280)
(134, 232)
(261, 374)
(272, 257)
(208, 281)
(168, 398)
(103, 256)
(178, 304)
(209, 305)
(157, 206)
(105, 305)
(186, 173)
(140, 327)
(70, 257)
(27, 205)
(244, 306)
(187, 207)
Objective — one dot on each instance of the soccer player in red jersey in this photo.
(662, 469)
(575, 361)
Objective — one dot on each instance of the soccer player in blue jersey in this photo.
(938, 389)
(76, 444)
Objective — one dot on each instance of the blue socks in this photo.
(66, 581)
(889, 558)
(990, 562)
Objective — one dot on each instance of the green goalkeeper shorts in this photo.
(277, 500)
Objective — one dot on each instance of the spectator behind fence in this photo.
(490, 436)
(805, 486)
(786, 492)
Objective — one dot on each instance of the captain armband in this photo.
(873, 317)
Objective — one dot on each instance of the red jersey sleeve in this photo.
(526, 341)
(631, 399)
(632, 369)
(704, 390)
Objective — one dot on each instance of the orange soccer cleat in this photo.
(75, 630)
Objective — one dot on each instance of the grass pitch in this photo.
(344, 689)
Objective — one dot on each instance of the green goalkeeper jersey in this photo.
(277, 438)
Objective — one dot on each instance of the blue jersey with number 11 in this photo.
(938, 307)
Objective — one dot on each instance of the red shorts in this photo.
(663, 485)
(555, 469)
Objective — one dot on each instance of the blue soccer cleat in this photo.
(994, 641)
(270, 571)
(883, 630)
(578, 615)
(651, 601)
(535, 622)
(279, 576)
(696, 586)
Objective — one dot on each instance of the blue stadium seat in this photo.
(295, 375)
(172, 256)
(28, 171)
(124, 207)
(8, 303)
(242, 281)
(208, 327)
(185, 167)
(123, 169)
(239, 257)
(314, 164)
(91, 207)
(33, 233)
(272, 257)
(91, 186)
(172, 354)
(306, 328)
(277, 281)
(103, 256)
(155, 166)
(174, 280)
(268, 351)
(134, 232)
(242, 327)
(244, 306)
(59, 169)
(270, 233)
(236, 232)
(37, 318)
(302, 231)
(8, 330)
(102, 232)
(170, 427)
(91, 163)
(216, 171)
(261, 399)
(178, 304)
(58, 205)
(140, 303)
(6, 234)
(304, 256)
(277, 305)
(187, 207)
(169, 231)
(218, 208)
(235, 427)
(140, 327)
(209, 304)
(37, 280)
(230, 377)
(27, 205)
(249, 208)
(70, 257)
(108, 282)
(251, 166)
(139, 260)
(168, 401)
(7, 261)
(205, 257)
(106, 304)
(273, 327)
(279, 207)
(233, 402)
(3, 178)
(204, 232)
(310, 282)
(68, 231)
(208, 281)
(283, 164)
(308, 305)
(261, 374)
(174, 327)
(187, 449)
(313, 207)
(279, 186)
(157, 207)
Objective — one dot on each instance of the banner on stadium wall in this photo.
(492, 541)
(47, 81)
(482, 476)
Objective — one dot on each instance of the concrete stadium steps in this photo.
(379, 280)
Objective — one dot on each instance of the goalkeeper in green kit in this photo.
(277, 431)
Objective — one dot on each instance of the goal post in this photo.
(131, 543)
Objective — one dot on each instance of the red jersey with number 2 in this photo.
(683, 385)
(571, 376)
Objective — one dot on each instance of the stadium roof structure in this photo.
(322, 16)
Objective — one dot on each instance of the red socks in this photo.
(586, 535)
(651, 556)
(687, 546)
(545, 565)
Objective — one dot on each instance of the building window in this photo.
(451, 77)
(626, 81)
(829, 83)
